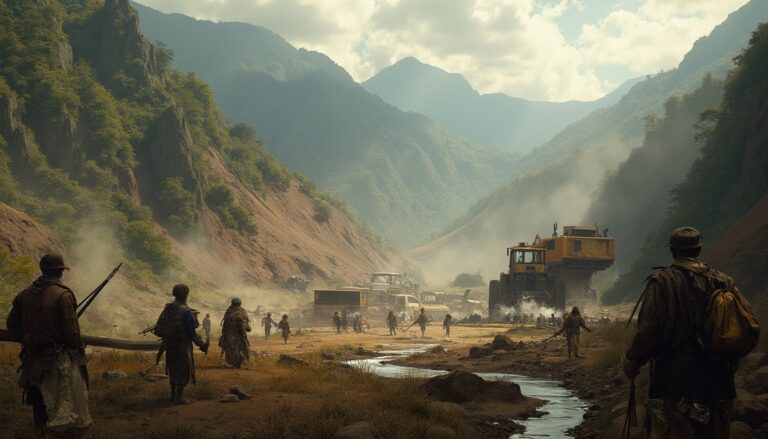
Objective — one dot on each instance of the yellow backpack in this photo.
(729, 329)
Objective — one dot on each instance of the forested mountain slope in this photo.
(726, 184)
(403, 174)
(497, 120)
(124, 158)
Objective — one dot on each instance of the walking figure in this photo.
(285, 327)
(267, 323)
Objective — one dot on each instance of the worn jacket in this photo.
(669, 323)
(44, 316)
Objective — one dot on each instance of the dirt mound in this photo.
(22, 235)
(502, 342)
(460, 386)
(741, 251)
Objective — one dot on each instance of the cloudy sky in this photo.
(537, 49)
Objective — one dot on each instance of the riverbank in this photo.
(312, 397)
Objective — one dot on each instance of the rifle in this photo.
(147, 330)
(552, 336)
(82, 306)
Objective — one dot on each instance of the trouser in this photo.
(39, 416)
(573, 344)
(667, 419)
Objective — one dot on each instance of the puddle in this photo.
(563, 410)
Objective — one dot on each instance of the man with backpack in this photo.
(693, 326)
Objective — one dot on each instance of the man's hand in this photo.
(631, 370)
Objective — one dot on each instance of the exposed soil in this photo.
(20, 234)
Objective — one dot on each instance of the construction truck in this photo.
(554, 272)
(384, 285)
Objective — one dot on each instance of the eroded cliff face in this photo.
(22, 235)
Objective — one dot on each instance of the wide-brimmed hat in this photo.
(685, 238)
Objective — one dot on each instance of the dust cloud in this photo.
(519, 211)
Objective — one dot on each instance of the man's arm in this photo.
(70, 327)
(190, 323)
(583, 324)
(653, 312)
(13, 322)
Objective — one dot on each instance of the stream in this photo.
(563, 410)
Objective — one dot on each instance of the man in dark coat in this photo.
(392, 323)
(177, 326)
(235, 327)
(572, 325)
(690, 393)
(422, 321)
(53, 374)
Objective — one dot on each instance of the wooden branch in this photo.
(128, 345)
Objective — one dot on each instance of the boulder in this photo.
(502, 342)
(154, 377)
(440, 432)
(114, 374)
(747, 408)
(327, 356)
(358, 430)
(242, 394)
(740, 430)
(753, 361)
(437, 350)
(290, 360)
(451, 408)
(230, 397)
(460, 386)
(479, 352)
(361, 351)
(757, 381)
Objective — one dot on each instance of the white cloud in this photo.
(510, 46)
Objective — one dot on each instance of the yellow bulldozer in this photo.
(555, 272)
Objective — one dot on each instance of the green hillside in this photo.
(402, 174)
(729, 178)
(634, 197)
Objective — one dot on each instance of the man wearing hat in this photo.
(235, 327)
(54, 378)
(572, 324)
(177, 326)
(690, 393)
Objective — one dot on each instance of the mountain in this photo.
(724, 190)
(402, 173)
(496, 119)
(109, 154)
(634, 197)
(558, 181)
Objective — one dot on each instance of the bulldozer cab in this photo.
(525, 259)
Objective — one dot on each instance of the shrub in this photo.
(179, 205)
(467, 280)
(221, 201)
(322, 211)
(15, 272)
(142, 241)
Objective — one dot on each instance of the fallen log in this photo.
(104, 342)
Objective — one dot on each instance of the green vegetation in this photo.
(16, 271)
(467, 280)
(179, 206)
(322, 211)
(220, 199)
(730, 176)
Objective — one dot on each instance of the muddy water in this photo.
(562, 410)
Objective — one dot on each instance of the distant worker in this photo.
(207, 326)
(53, 375)
(235, 327)
(447, 322)
(267, 323)
(357, 323)
(691, 389)
(285, 327)
(344, 320)
(553, 320)
(422, 321)
(337, 322)
(392, 323)
(177, 326)
(572, 325)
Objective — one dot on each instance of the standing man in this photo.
(207, 326)
(53, 374)
(572, 325)
(691, 392)
(267, 323)
(422, 321)
(392, 323)
(447, 322)
(337, 321)
(285, 328)
(235, 327)
(177, 326)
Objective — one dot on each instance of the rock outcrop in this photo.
(460, 386)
